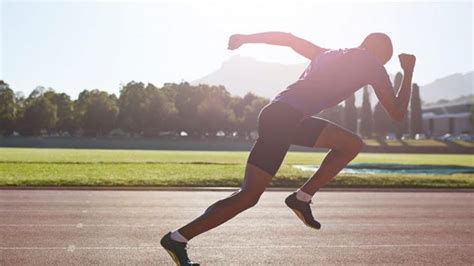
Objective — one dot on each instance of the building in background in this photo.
(452, 117)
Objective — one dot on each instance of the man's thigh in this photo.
(308, 131)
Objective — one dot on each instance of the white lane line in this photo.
(113, 210)
(82, 225)
(33, 248)
(72, 248)
(37, 225)
(337, 246)
(33, 201)
(118, 248)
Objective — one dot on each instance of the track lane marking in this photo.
(72, 248)
(83, 225)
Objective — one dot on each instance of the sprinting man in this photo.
(331, 77)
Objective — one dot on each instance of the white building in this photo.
(453, 118)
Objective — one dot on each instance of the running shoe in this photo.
(177, 251)
(302, 210)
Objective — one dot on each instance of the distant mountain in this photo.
(460, 100)
(243, 74)
(448, 88)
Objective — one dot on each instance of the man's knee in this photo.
(355, 145)
(350, 145)
(249, 199)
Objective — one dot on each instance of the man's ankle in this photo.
(303, 196)
(177, 236)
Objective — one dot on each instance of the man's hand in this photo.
(407, 62)
(235, 41)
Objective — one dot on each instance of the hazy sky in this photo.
(76, 45)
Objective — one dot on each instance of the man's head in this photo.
(380, 45)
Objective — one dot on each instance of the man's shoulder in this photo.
(347, 50)
(359, 52)
(356, 58)
(354, 53)
(364, 58)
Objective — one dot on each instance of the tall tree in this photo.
(40, 115)
(214, 116)
(366, 119)
(96, 111)
(8, 109)
(471, 111)
(350, 114)
(64, 105)
(133, 104)
(159, 111)
(214, 111)
(186, 99)
(382, 121)
(246, 111)
(238, 104)
(415, 111)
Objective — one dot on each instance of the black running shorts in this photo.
(279, 126)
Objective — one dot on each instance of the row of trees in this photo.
(139, 110)
(146, 110)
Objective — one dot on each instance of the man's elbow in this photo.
(290, 39)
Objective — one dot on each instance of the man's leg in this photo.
(255, 182)
(267, 154)
(344, 146)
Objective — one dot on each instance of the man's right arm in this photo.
(396, 105)
(301, 46)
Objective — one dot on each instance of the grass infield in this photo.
(71, 167)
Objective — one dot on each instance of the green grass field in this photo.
(70, 167)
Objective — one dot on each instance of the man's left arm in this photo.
(299, 45)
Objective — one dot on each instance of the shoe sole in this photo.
(173, 256)
(301, 217)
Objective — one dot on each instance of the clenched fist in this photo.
(407, 62)
(235, 41)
